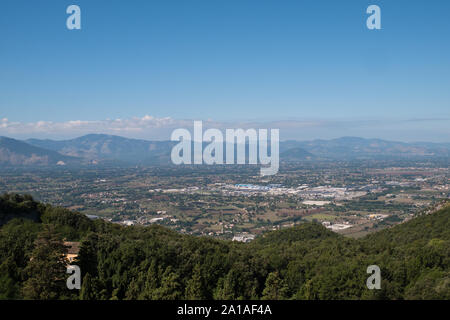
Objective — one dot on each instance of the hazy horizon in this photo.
(312, 69)
(163, 133)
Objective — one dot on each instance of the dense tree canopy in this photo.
(303, 262)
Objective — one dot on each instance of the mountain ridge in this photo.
(18, 153)
(102, 147)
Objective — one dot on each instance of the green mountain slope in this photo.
(304, 262)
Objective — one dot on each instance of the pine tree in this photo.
(87, 288)
(226, 287)
(134, 288)
(275, 288)
(87, 257)
(170, 288)
(195, 288)
(46, 270)
(151, 282)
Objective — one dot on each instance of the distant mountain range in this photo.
(108, 148)
(18, 153)
(349, 148)
(296, 154)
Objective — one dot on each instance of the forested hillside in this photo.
(304, 262)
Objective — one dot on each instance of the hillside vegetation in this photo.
(303, 262)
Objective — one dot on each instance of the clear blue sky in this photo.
(226, 60)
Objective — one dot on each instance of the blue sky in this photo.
(230, 60)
